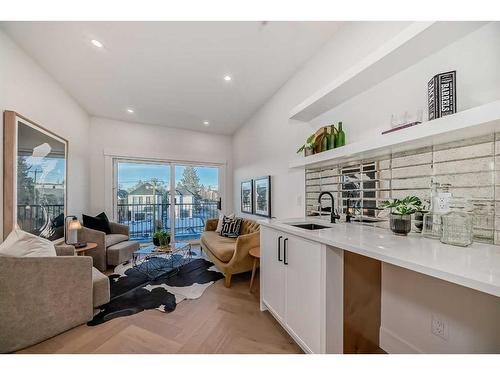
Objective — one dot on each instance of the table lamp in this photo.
(71, 236)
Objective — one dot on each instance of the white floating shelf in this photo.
(411, 45)
(472, 122)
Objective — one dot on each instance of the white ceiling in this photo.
(171, 73)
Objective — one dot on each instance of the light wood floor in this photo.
(221, 321)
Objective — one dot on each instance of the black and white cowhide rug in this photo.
(133, 290)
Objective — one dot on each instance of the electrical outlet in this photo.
(439, 326)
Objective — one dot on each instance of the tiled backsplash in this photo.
(471, 166)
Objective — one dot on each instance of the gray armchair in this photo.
(42, 297)
(112, 249)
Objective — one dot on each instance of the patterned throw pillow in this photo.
(231, 227)
(221, 219)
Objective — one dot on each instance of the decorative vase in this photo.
(156, 241)
(419, 221)
(432, 226)
(308, 151)
(457, 225)
(400, 224)
(317, 140)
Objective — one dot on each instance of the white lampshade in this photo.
(72, 230)
(74, 225)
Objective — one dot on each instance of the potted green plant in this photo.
(308, 146)
(401, 211)
(161, 238)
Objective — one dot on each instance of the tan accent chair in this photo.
(230, 255)
(43, 297)
(112, 249)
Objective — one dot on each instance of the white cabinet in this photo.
(292, 286)
(303, 290)
(272, 272)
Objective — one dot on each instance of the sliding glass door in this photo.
(179, 198)
(196, 198)
(142, 197)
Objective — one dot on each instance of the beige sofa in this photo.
(42, 297)
(230, 255)
(112, 249)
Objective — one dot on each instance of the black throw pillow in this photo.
(103, 216)
(231, 227)
(99, 222)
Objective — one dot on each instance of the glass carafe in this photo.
(483, 217)
(431, 227)
(457, 225)
(431, 222)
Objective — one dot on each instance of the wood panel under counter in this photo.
(353, 302)
(362, 304)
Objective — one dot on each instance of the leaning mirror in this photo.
(35, 170)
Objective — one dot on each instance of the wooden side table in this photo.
(255, 252)
(82, 250)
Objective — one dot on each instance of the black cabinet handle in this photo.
(285, 255)
(279, 248)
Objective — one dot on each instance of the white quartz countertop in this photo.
(476, 266)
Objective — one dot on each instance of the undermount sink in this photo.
(309, 226)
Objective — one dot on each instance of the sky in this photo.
(48, 170)
(130, 173)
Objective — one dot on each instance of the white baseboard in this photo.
(393, 344)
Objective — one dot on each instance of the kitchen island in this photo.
(330, 289)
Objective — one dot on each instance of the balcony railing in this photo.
(143, 219)
(36, 218)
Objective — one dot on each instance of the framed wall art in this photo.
(247, 196)
(262, 196)
(35, 175)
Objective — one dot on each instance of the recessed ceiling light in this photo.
(97, 43)
(227, 78)
(206, 123)
(130, 110)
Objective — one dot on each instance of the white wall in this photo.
(27, 89)
(475, 57)
(268, 141)
(109, 138)
(409, 302)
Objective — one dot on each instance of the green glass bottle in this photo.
(340, 136)
(325, 142)
(333, 136)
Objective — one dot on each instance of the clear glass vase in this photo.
(457, 226)
(483, 221)
(418, 221)
(432, 227)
